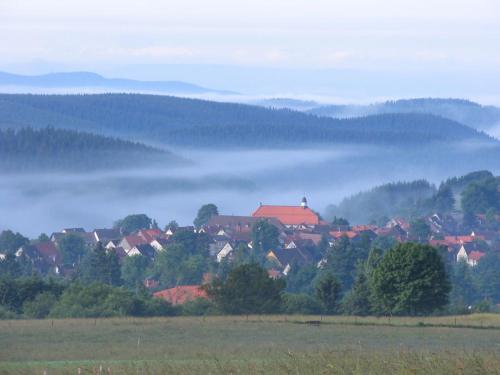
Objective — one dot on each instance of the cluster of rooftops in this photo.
(300, 229)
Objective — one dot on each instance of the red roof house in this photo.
(289, 215)
(181, 294)
(348, 233)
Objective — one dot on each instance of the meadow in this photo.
(255, 344)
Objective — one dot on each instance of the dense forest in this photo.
(198, 123)
(476, 192)
(56, 149)
(462, 111)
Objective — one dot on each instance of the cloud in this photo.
(154, 52)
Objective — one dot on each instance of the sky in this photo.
(411, 39)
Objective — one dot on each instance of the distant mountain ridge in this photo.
(464, 111)
(93, 80)
(200, 123)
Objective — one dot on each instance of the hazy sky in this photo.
(366, 35)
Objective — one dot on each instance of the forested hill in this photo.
(57, 149)
(179, 121)
(463, 111)
(476, 192)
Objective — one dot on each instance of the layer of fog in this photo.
(236, 181)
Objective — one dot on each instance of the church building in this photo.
(290, 216)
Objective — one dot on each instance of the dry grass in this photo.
(257, 344)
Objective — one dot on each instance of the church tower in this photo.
(304, 203)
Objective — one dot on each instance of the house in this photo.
(73, 230)
(284, 258)
(314, 237)
(151, 283)
(112, 244)
(238, 238)
(460, 240)
(142, 249)
(351, 235)
(128, 242)
(160, 244)
(224, 252)
(218, 243)
(149, 235)
(181, 294)
(105, 235)
(290, 216)
(42, 255)
(468, 254)
(398, 233)
(402, 223)
(364, 228)
(87, 237)
(295, 243)
(238, 223)
(274, 273)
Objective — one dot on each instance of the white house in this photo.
(226, 250)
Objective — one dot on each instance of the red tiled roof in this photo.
(134, 240)
(349, 234)
(288, 215)
(273, 273)
(47, 249)
(181, 294)
(314, 237)
(150, 234)
(476, 255)
(441, 243)
(455, 240)
(363, 228)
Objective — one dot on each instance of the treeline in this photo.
(210, 124)
(49, 148)
(357, 279)
(462, 111)
(34, 297)
(383, 202)
(474, 193)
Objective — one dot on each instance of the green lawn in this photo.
(267, 344)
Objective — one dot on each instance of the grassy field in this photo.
(257, 344)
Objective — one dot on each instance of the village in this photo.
(300, 233)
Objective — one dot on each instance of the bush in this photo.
(100, 300)
(5, 313)
(198, 307)
(301, 304)
(157, 307)
(248, 289)
(40, 306)
(484, 306)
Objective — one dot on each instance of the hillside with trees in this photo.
(189, 122)
(56, 149)
(463, 111)
(476, 192)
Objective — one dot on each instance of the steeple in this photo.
(304, 202)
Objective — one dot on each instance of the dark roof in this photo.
(73, 230)
(106, 235)
(289, 256)
(239, 222)
(146, 249)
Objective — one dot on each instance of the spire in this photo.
(303, 203)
